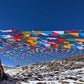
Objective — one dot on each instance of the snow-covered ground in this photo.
(54, 72)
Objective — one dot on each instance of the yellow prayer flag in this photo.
(26, 34)
(36, 49)
(36, 32)
(32, 38)
(81, 40)
(67, 46)
(66, 41)
(74, 34)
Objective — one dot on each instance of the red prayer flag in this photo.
(68, 31)
(54, 34)
(51, 40)
(61, 39)
(12, 30)
(74, 30)
(54, 45)
(58, 43)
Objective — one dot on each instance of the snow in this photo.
(43, 73)
(79, 62)
(47, 82)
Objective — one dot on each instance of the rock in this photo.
(26, 67)
(41, 83)
(37, 79)
(71, 78)
(50, 79)
(81, 80)
(29, 75)
(40, 76)
(36, 73)
(64, 82)
(26, 81)
(80, 73)
(18, 82)
(25, 78)
(51, 75)
(57, 78)
(56, 72)
(16, 79)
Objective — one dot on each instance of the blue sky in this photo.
(41, 15)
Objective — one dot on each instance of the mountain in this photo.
(62, 71)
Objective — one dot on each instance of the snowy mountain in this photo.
(62, 71)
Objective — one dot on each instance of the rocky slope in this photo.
(63, 71)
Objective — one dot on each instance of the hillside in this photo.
(67, 71)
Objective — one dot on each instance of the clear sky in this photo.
(41, 15)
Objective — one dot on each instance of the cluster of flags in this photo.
(40, 45)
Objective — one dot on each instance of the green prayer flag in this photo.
(80, 30)
(27, 32)
(70, 39)
(61, 46)
(64, 35)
